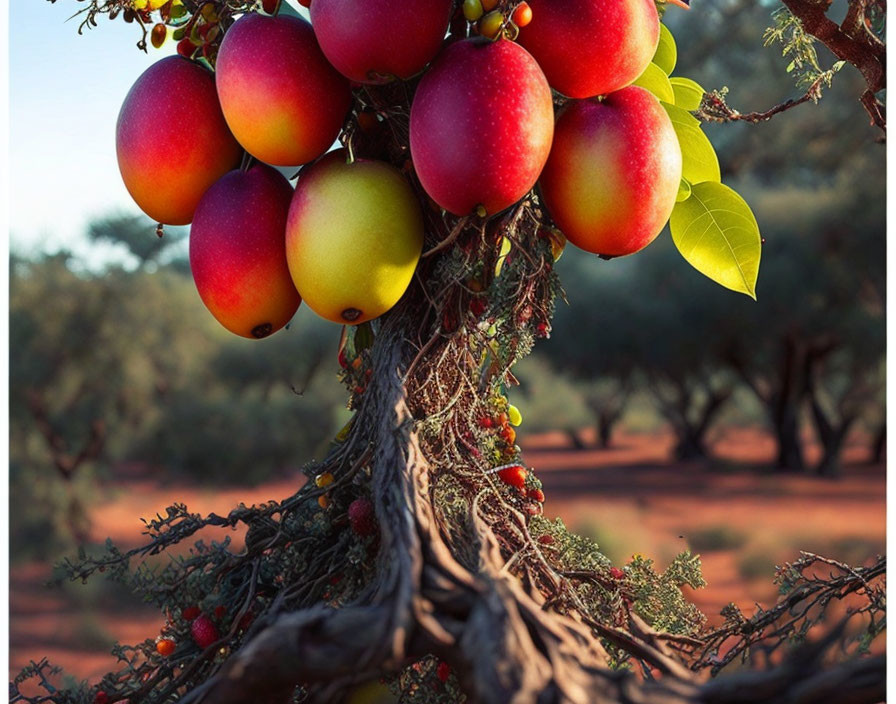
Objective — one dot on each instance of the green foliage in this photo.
(716, 232)
(656, 81)
(688, 93)
(799, 46)
(653, 595)
(666, 54)
(699, 162)
(658, 596)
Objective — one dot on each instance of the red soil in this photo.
(629, 497)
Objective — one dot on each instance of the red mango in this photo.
(481, 126)
(238, 252)
(612, 177)
(372, 41)
(283, 101)
(589, 47)
(172, 141)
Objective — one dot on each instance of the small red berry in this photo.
(219, 612)
(165, 646)
(361, 517)
(443, 671)
(359, 389)
(514, 476)
(190, 613)
(486, 422)
(341, 359)
(101, 698)
(616, 573)
(203, 631)
(185, 47)
(546, 539)
(542, 329)
(537, 495)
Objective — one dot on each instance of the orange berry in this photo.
(157, 37)
(323, 501)
(489, 5)
(322, 480)
(165, 646)
(522, 15)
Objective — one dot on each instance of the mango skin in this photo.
(353, 238)
(589, 47)
(238, 252)
(281, 98)
(612, 177)
(172, 141)
(481, 125)
(370, 40)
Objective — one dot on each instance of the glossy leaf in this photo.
(688, 93)
(699, 162)
(684, 191)
(716, 232)
(654, 80)
(666, 52)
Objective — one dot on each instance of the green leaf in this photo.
(699, 162)
(716, 232)
(688, 93)
(684, 191)
(654, 80)
(666, 52)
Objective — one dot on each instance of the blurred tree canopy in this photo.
(811, 348)
(119, 369)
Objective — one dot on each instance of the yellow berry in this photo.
(514, 415)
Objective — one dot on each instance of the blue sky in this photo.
(65, 92)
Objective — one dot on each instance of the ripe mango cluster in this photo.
(483, 131)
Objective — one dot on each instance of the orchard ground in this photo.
(739, 516)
